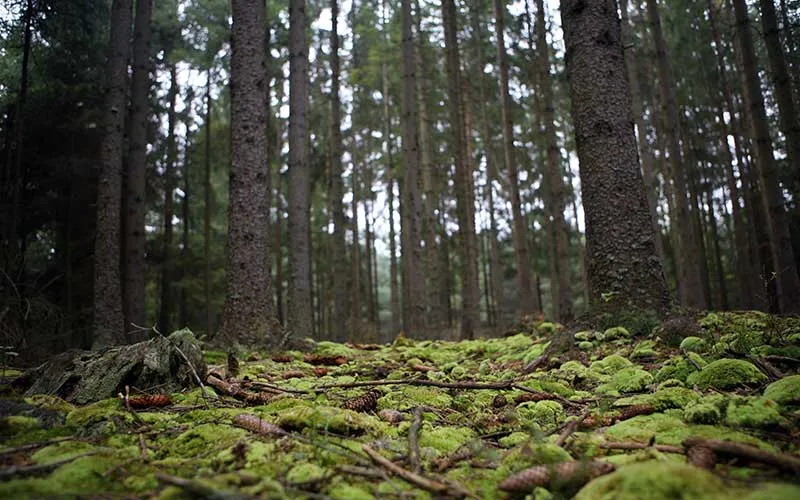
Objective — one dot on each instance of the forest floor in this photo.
(660, 416)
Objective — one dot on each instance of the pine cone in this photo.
(320, 371)
(292, 374)
(632, 411)
(529, 396)
(257, 398)
(258, 425)
(226, 388)
(364, 403)
(593, 421)
(565, 472)
(316, 359)
(282, 358)
(151, 401)
(391, 416)
(701, 456)
(499, 401)
(233, 366)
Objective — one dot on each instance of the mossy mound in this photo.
(727, 374)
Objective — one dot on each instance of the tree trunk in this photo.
(207, 213)
(338, 253)
(789, 124)
(135, 239)
(619, 231)
(714, 237)
(169, 192)
(185, 251)
(356, 258)
(688, 256)
(412, 255)
(368, 236)
(393, 271)
(465, 196)
(248, 316)
(299, 305)
(645, 152)
(561, 290)
(527, 299)
(109, 320)
(785, 265)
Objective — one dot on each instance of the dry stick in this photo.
(641, 446)
(33, 446)
(508, 384)
(766, 366)
(413, 440)
(411, 477)
(196, 488)
(142, 447)
(570, 428)
(265, 385)
(362, 471)
(786, 463)
(33, 470)
(782, 359)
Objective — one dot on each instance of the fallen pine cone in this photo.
(316, 359)
(282, 358)
(258, 398)
(701, 456)
(593, 421)
(258, 425)
(538, 396)
(320, 371)
(572, 472)
(391, 416)
(292, 374)
(635, 410)
(152, 401)
(499, 401)
(364, 403)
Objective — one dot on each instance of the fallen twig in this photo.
(33, 446)
(35, 470)
(570, 428)
(413, 440)
(641, 446)
(786, 463)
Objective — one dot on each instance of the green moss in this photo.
(675, 368)
(757, 413)
(656, 481)
(18, 424)
(531, 454)
(617, 333)
(585, 346)
(645, 349)
(103, 417)
(514, 439)
(61, 451)
(785, 391)
(627, 380)
(545, 414)
(349, 492)
(727, 374)
(407, 397)
(203, 439)
(670, 397)
(584, 336)
(215, 357)
(693, 344)
(325, 348)
(610, 365)
(305, 474)
(702, 413)
(548, 328)
(329, 418)
(774, 492)
(445, 439)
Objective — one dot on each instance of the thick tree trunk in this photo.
(165, 309)
(561, 290)
(785, 265)
(134, 272)
(688, 252)
(527, 299)
(299, 305)
(338, 253)
(109, 320)
(207, 213)
(356, 257)
(789, 123)
(465, 196)
(248, 316)
(619, 231)
(412, 255)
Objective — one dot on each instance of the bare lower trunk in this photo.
(169, 210)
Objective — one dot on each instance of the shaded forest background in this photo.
(488, 225)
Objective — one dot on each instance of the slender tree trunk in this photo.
(562, 291)
(688, 256)
(279, 211)
(134, 272)
(645, 152)
(356, 314)
(207, 213)
(619, 230)
(338, 254)
(109, 320)
(791, 44)
(465, 197)
(785, 265)
(393, 271)
(714, 237)
(527, 299)
(789, 123)
(299, 305)
(165, 310)
(368, 233)
(185, 251)
(745, 261)
(248, 316)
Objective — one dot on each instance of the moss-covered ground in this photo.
(447, 418)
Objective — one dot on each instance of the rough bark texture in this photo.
(207, 212)
(299, 315)
(789, 124)
(785, 266)
(134, 272)
(109, 320)
(166, 306)
(338, 254)
(688, 252)
(412, 256)
(645, 151)
(248, 316)
(561, 290)
(465, 196)
(527, 299)
(620, 245)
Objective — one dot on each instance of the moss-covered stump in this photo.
(438, 418)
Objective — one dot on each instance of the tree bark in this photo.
(207, 213)
(465, 196)
(165, 309)
(561, 290)
(338, 254)
(688, 253)
(785, 265)
(109, 320)
(299, 300)
(135, 239)
(248, 316)
(356, 258)
(623, 268)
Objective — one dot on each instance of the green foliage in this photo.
(727, 374)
